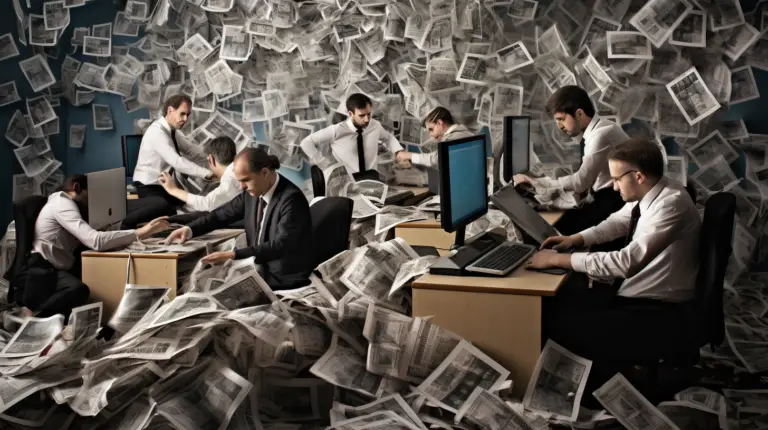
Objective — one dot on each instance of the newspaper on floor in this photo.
(486, 410)
(393, 403)
(558, 381)
(465, 368)
(136, 302)
(373, 269)
(85, 320)
(391, 216)
(33, 336)
(629, 407)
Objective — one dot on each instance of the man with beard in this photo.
(49, 282)
(354, 142)
(575, 115)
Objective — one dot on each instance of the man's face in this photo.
(81, 198)
(177, 117)
(567, 123)
(437, 129)
(361, 117)
(626, 180)
(255, 183)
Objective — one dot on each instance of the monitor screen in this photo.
(517, 146)
(463, 173)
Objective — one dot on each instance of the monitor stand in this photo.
(461, 233)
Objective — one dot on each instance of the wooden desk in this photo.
(105, 272)
(131, 196)
(501, 316)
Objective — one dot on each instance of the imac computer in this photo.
(517, 146)
(106, 198)
(463, 199)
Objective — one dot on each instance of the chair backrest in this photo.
(318, 181)
(130, 144)
(691, 190)
(25, 214)
(714, 251)
(331, 220)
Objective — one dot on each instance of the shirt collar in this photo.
(591, 126)
(164, 123)
(646, 201)
(450, 130)
(268, 195)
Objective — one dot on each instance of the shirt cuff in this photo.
(420, 159)
(579, 261)
(194, 202)
(590, 236)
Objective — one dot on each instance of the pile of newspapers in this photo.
(230, 353)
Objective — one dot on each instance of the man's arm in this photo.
(69, 217)
(165, 150)
(421, 159)
(225, 192)
(293, 218)
(221, 217)
(645, 246)
(595, 159)
(392, 143)
(321, 137)
(614, 227)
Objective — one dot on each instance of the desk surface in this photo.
(432, 222)
(215, 237)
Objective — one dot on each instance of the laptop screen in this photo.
(522, 214)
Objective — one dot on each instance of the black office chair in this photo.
(331, 221)
(318, 181)
(25, 213)
(658, 377)
(691, 190)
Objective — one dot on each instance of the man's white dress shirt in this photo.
(456, 131)
(158, 154)
(600, 136)
(60, 228)
(227, 190)
(343, 140)
(662, 260)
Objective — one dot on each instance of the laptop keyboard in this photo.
(502, 259)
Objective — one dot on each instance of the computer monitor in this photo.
(106, 197)
(517, 146)
(509, 201)
(130, 143)
(463, 191)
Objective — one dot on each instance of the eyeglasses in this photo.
(617, 179)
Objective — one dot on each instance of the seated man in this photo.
(441, 127)
(278, 224)
(654, 274)
(49, 283)
(575, 114)
(221, 152)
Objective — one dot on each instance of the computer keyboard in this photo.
(502, 259)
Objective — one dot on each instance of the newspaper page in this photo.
(692, 96)
(513, 57)
(33, 336)
(86, 320)
(246, 290)
(465, 367)
(136, 302)
(657, 19)
(8, 93)
(391, 216)
(558, 382)
(692, 31)
(486, 410)
(37, 72)
(630, 408)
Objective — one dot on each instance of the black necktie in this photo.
(175, 143)
(259, 219)
(360, 151)
(581, 150)
(632, 224)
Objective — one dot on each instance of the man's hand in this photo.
(563, 243)
(403, 156)
(520, 179)
(218, 257)
(167, 181)
(155, 226)
(180, 235)
(544, 259)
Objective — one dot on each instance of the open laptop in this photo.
(106, 198)
(536, 228)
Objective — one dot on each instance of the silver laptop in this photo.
(509, 201)
(106, 198)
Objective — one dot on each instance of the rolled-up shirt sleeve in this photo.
(392, 142)
(68, 216)
(659, 231)
(226, 191)
(164, 148)
(321, 137)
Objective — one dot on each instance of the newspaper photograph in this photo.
(8, 93)
(558, 382)
(507, 100)
(738, 40)
(743, 85)
(236, 43)
(692, 31)
(37, 72)
(657, 19)
(8, 48)
(629, 45)
(102, 117)
(596, 28)
(514, 56)
(473, 69)
(40, 111)
(16, 131)
(97, 46)
(629, 407)
(692, 97)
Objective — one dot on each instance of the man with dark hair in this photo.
(355, 142)
(49, 282)
(441, 128)
(221, 153)
(278, 225)
(159, 151)
(652, 276)
(575, 115)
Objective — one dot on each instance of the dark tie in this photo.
(175, 143)
(360, 151)
(632, 224)
(259, 219)
(581, 150)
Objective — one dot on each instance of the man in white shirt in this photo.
(159, 151)
(653, 275)
(441, 128)
(354, 142)
(575, 114)
(49, 283)
(221, 153)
